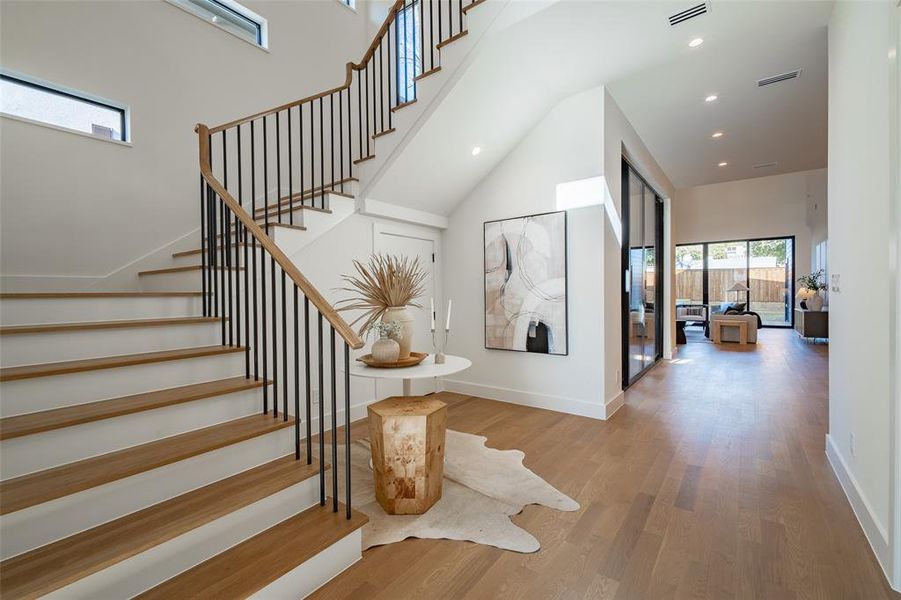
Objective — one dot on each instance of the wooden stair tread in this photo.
(403, 105)
(469, 7)
(67, 416)
(425, 74)
(48, 568)
(375, 136)
(364, 158)
(256, 562)
(53, 295)
(111, 362)
(451, 39)
(193, 251)
(272, 209)
(50, 484)
(94, 325)
(184, 269)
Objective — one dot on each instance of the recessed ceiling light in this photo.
(476, 150)
(710, 98)
(717, 134)
(723, 164)
(695, 42)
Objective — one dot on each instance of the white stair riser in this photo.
(41, 524)
(40, 451)
(180, 281)
(306, 578)
(72, 310)
(43, 393)
(150, 568)
(36, 348)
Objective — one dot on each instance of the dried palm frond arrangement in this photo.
(385, 282)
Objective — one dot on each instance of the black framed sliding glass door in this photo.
(642, 303)
(756, 274)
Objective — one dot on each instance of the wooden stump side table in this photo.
(407, 438)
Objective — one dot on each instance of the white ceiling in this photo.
(658, 81)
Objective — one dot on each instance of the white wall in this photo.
(583, 136)
(565, 145)
(621, 139)
(778, 205)
(102, 204)
(863, 315)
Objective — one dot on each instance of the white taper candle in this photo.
(447, 325)
(432, 312)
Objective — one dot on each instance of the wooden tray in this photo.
(414, 359)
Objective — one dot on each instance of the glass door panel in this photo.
(690, 274)
(771, 275)
(636, 320)
(727, 265)
(649, 278)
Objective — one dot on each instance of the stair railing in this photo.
(263, 171)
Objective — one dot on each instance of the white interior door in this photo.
(396, 242)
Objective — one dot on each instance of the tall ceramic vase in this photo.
(404, 316)
(815, 302)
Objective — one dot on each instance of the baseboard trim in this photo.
(873, 530)
(561, 404)
(614, 404)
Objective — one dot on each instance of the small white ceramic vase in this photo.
(815, 302)
(385, 350)
(404, 316)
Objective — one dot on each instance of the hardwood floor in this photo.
(711, 482)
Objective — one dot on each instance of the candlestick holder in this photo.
(439, 348)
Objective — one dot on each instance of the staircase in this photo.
(169, 441)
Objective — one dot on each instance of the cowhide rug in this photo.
(483, 488)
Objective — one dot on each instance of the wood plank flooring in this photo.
(711, 482)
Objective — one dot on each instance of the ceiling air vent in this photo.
(766, 165)
(777, 78)
(690, 13)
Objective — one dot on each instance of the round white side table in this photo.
(424, 370)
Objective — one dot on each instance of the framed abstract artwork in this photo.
(525, 284)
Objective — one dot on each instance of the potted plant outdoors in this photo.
(385, 289)
(810, 289)
(386, 349)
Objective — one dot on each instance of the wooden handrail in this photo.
(321, 304)
(348, 77)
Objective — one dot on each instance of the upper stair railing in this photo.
(263, 171)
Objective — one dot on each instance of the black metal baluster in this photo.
(413, 57)
(350, 163)
(321, 157)
(440, 35)
(431, 36)
(300, 147)
(360, 111)
(264, 346)
(381, 90)
(284, 353)
(450, 19)
(246, 307)
(331, 124)
(278, 170)
(306, 356)
(341, 136)
(239, 230)
(296, 379)
(220, 264)
(275, 382)
(321, 416)
(203, 247)
(290, 173)
(421, 40)
(346, 429)
(253, 212)
(334, 422)
(312, 155)
(226, 252)
(367, 109)
(390, 104)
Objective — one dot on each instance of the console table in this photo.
(812, 323)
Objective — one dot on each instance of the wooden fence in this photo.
(767, 284)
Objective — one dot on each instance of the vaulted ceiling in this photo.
(659, 82)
